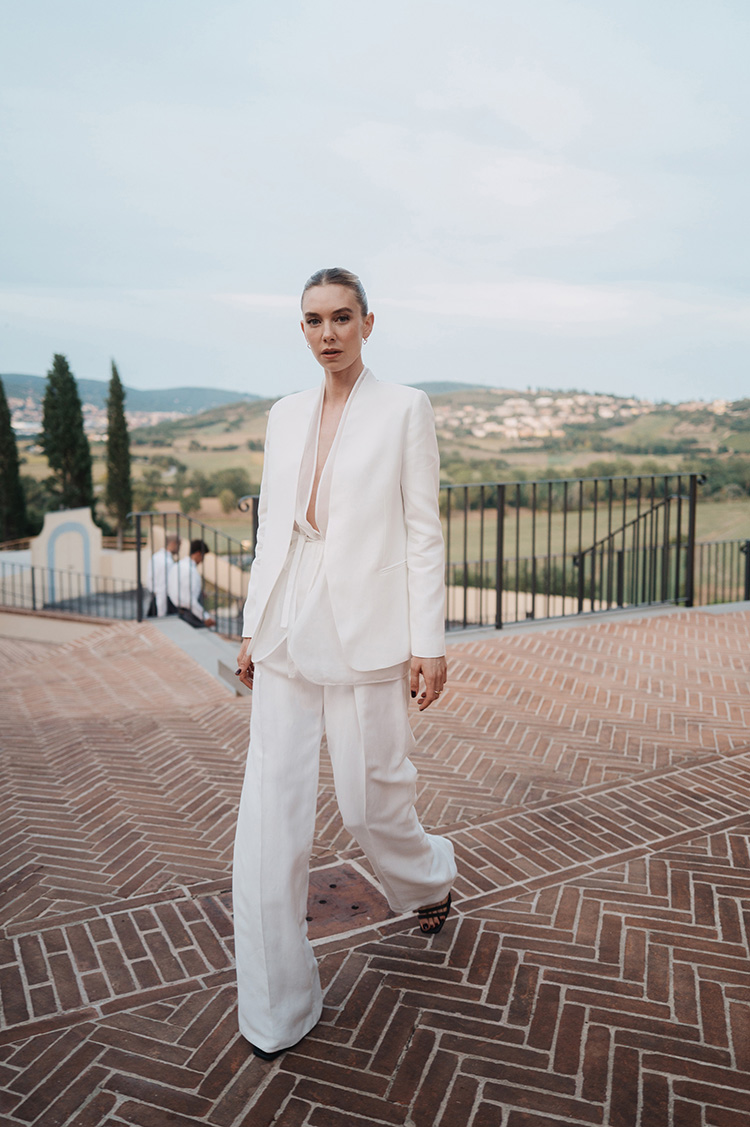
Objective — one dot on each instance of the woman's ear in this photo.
(369, 322)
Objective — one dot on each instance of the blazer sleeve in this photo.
(252, 587)
(425, 553)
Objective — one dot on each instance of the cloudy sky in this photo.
(545, 193)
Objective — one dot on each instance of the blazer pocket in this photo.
(393, 566)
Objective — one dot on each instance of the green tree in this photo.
(190, 502)
(228, 500)
(119, 492)
(13, 521)
(40, 499)
(63, 438)
(234, 478)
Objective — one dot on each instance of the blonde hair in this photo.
(337, 276)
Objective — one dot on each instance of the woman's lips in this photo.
(331, 352)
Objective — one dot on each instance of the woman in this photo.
(344, 615)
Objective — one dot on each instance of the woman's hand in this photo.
(434, 671)
(245, 667)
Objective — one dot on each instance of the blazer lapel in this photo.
(291, 437)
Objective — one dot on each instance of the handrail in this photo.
(16, 545)
(631, 523)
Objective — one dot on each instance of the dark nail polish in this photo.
(413, 694)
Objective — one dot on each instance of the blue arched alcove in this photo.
(83, 532)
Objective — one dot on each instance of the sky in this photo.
(545, 194)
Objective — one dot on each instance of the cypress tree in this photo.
(119, 495)
(63, 438)
(13, 522)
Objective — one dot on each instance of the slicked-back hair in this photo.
(337, 276)
(199, 546)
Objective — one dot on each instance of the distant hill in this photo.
(244, 417)
(189, 400)
(444, 387)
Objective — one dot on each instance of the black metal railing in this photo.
(722, 571)
(547, 549)
(27, 587)
(514, 551)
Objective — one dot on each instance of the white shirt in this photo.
(184, 586)
(160, 565)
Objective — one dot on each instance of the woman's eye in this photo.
(343, 317)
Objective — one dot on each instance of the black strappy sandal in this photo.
(264, 1055)
(438, 912)
(267, 1056)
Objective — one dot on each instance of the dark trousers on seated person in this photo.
(186, 615)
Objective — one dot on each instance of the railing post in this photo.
(448, 573)
(620, 578)
(500, 556)
(139, 582)
(465, 553)
(662, 562)
(33, 588)
(581, 560)
(690, 562)
(745, 549)
(532, 612)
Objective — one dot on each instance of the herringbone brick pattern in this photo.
(596, 784)
(13, 650)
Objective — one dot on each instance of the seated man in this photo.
(159, 567)
(184, 586)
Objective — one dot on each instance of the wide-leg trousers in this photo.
(369, 739)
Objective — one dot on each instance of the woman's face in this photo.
(334, 327)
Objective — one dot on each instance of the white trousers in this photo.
(369, 738)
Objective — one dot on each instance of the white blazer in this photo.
(383, 554)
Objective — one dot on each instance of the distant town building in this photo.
(545, 415)
(26, 417)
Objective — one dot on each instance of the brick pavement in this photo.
(596, 783)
